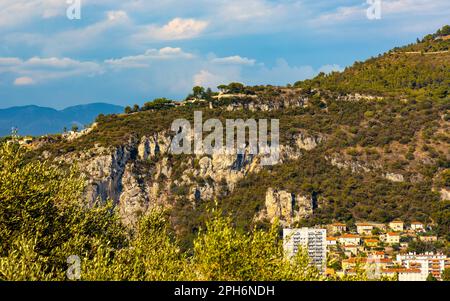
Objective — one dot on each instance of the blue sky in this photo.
(131, 51)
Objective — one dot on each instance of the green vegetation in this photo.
(43, 222)
(43, 218)
(446, 274)
(399, 73)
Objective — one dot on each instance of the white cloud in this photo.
(176, 29)
(405, 8)
(212, 79)
(283, 73)
(234, 60)
(36, 69)
(72, 40)
(330, 68)
(144, 60)
(247, 10)
(115, 15)
(16, 12)
(23, 81)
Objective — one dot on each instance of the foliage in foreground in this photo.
(43, 222)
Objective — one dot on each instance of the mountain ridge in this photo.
(376, 154)
(37, 120)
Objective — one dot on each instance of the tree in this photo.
(444, 31)
(223, 88)
(198, 92)
(156, 104)
(223, 253)
(75, 128)
(136, 108)
(43, 221)
(128, 110)
(208, 94)
(236, 88)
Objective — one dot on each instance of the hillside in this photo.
(370, 143)
(35, 121)
(418, 71)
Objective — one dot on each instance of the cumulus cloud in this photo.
(234, 60)
(144, 60)
(330, 68)
(16, 12)
(37, 69)
(176, 29)
(212, 79)
(23, 81)
(405, 8)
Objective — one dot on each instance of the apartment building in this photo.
(428, 263)
(313, 241)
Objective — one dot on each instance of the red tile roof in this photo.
(350, 236)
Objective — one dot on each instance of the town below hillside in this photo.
(394, 251)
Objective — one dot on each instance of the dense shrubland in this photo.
(398, 73)
(43, 221)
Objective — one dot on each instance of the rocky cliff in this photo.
(142, 173)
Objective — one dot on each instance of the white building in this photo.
(349, 239)
(364, 228)
(397, 226)
(403, 274)
(331, 241)
(417, 226)
(313, 241)
(428, 263)
(392, 238)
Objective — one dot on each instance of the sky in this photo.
(132, 51)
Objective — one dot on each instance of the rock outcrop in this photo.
(141, 173)
(287, 207)
(445, 194)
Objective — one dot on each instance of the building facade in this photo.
(396, 225)
(313, 241)
(428, 263)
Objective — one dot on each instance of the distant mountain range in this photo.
(34, 120)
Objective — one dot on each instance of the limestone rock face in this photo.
(149, 147)
(133, 200)
(307, 142)
(359, 167)
(104, 174)
(353, 166)
(445, 194)
(394, 177)
(140, 174)
(268, 105)
(287, 207)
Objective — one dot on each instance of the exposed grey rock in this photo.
(445, 194)
(394, 177)
(113, 173)
(287, 207)
(133, 199)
